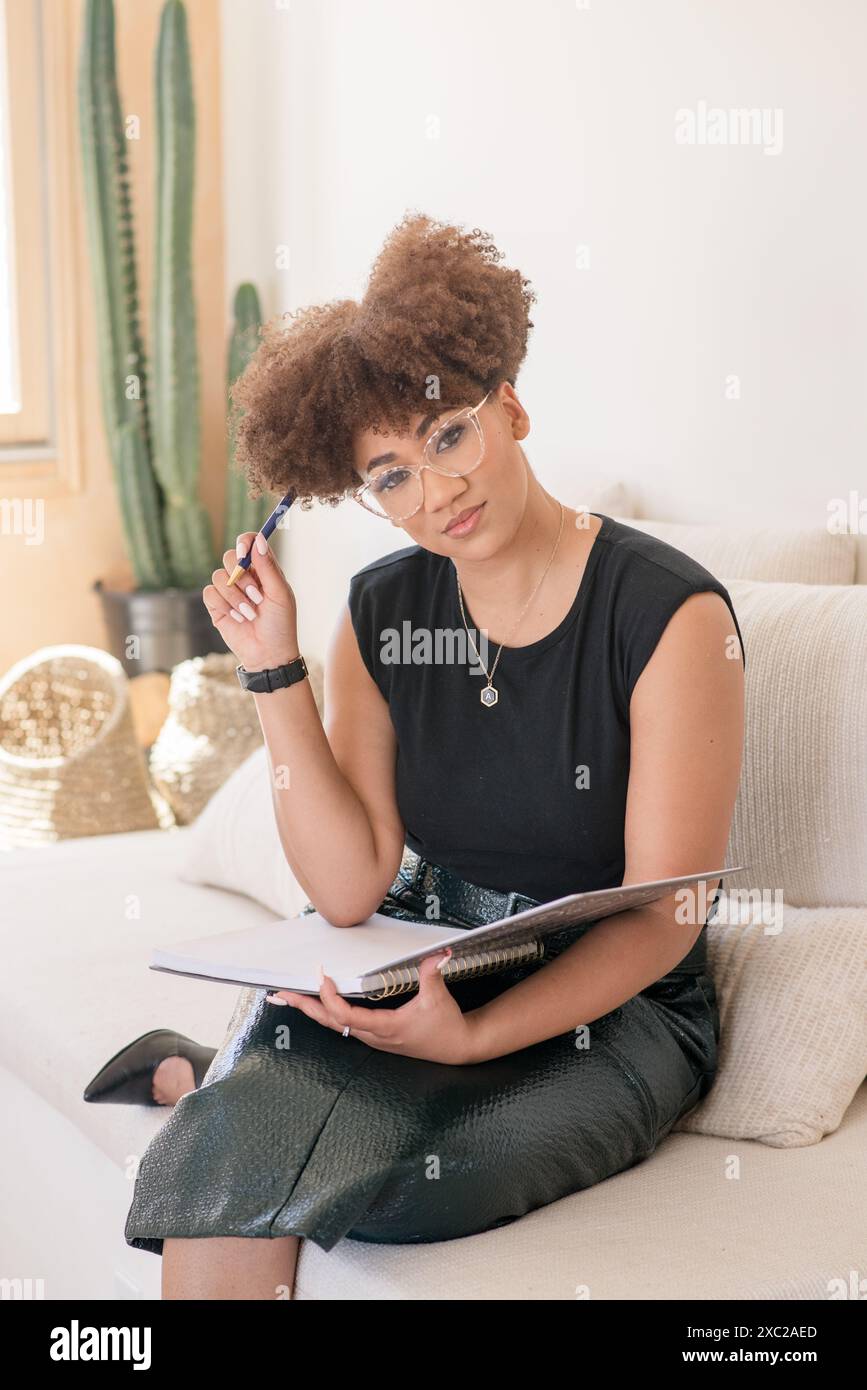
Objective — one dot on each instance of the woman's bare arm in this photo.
(334, 794)
(333, 786)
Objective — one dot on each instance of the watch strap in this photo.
(272, 677)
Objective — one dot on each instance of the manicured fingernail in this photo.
(236, 616)
(252, 592)
(247, 610)
(240, 550)
(273, 999)
(261, 545)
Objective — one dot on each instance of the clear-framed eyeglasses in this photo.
(395, 491)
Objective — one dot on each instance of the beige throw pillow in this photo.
(234, 843)
(792, 990)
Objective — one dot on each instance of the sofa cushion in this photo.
(234, 843)
(78, 923)
(792, 990)
(789, 554)
(800, 821)
(700, 1218)
(793, 993)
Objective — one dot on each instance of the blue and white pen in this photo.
(280, 510)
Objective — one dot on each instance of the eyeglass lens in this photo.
(397, 492)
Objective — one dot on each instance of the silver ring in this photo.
(346, 1031)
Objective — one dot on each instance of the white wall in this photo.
(552, 125)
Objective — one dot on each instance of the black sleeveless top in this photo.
(498, 795)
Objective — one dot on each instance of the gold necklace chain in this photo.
(490, 695)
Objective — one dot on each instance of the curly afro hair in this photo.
(439, 320)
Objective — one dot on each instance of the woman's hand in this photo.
(257, 616)
(431, 1026)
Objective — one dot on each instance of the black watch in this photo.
(273, 677)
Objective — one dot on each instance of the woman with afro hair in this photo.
(522, 701)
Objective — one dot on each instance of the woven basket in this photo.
(211, 728)
(70, 764)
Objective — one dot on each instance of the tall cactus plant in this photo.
(122, 371)
(153, 432)
(243, 513)
(176, 439)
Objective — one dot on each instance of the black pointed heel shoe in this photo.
(127, 1078)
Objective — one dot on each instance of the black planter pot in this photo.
(171, 625)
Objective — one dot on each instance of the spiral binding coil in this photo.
(405, 977)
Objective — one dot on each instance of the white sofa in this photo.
(79, 920)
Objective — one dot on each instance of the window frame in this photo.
(42, 444)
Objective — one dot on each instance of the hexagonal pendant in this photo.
(488, 696)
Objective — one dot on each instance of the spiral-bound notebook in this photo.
(381, 955)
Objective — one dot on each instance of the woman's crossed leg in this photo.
(229, 1267)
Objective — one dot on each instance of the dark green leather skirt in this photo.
(330, 1138)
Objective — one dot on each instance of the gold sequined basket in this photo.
(70, 764)
(211, 728)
